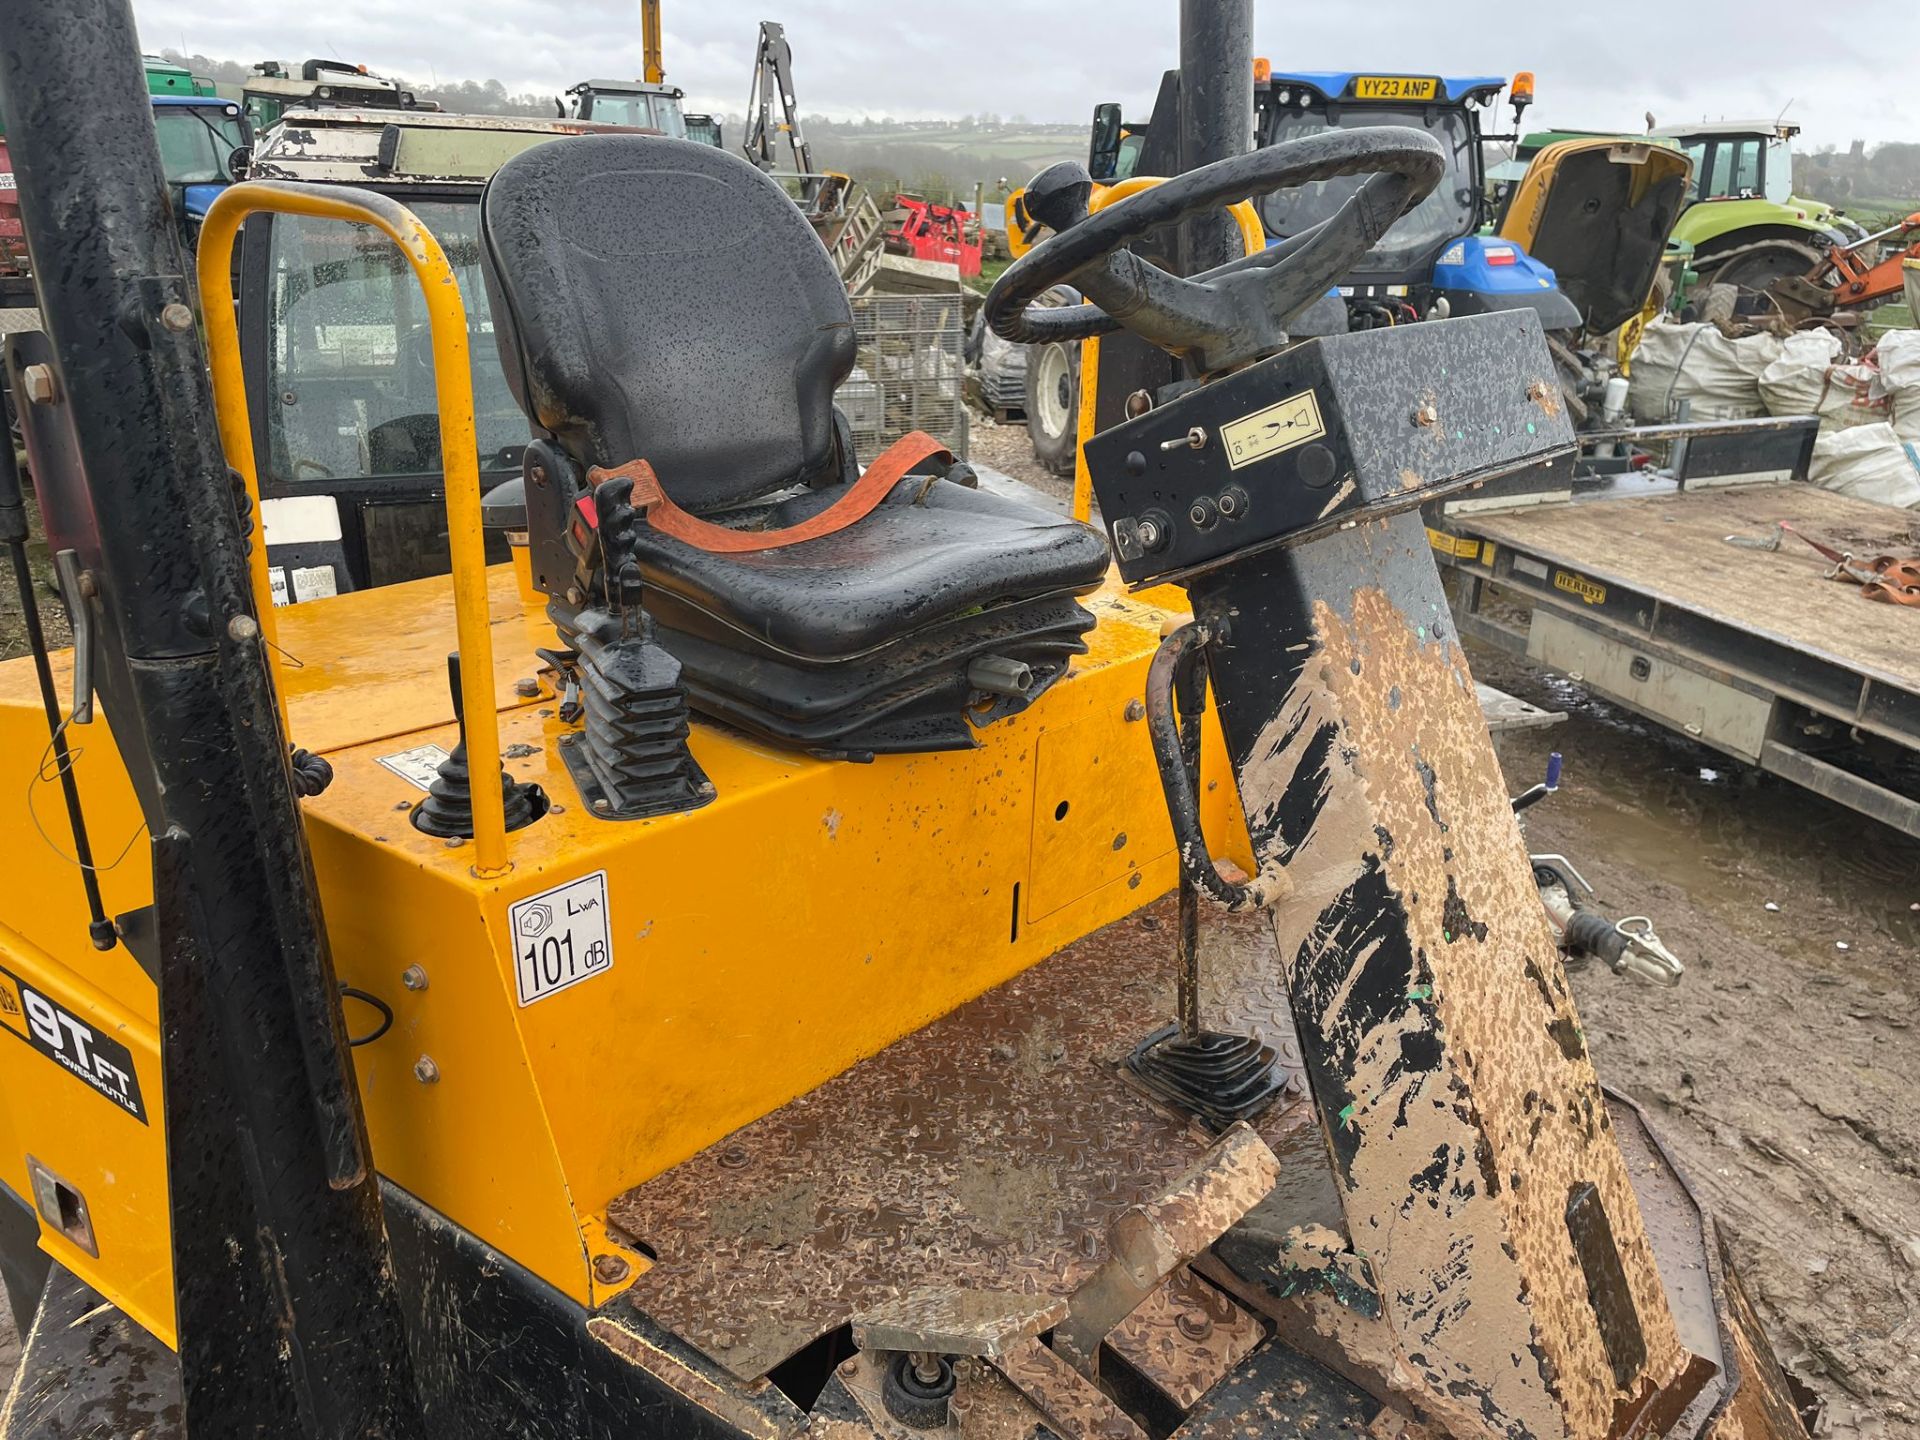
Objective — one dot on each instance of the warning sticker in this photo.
(561, 937)
(418, 766)
(1294, 421)
(314, 582)
(72, 1043)
(277, 585)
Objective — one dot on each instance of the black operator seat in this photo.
(661, 300)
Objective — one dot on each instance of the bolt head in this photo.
(1136, 710)
(243, 628)
(1193, 1325)
(425, 1071)
(37, 381)
(414, 977)
(1426, 414)
(526, 687)
(610, 1269)
(176, 317)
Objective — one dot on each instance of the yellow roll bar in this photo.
(1252, 233)
(459, 453)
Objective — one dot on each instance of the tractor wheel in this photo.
(1053, 404)
(1757, 272)
(1716, 304)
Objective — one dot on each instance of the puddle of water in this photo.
(1732, 837)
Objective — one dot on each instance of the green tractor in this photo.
(166, 78)
(1743, 225)
(1746, 226)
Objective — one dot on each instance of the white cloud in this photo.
(1841, 67)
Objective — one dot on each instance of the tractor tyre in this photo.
(1757, 274)
(1053, 404)
(1716, 304)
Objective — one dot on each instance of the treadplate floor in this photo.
(989, 1151)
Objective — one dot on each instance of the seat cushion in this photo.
(662, 300)
(932, 551)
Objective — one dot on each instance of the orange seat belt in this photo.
(861, 498)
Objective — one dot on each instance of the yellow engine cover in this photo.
(815, 912)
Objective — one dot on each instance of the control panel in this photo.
(1332, 431)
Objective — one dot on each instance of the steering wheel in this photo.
(1236, 312)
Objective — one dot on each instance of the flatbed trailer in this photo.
(1631, 586)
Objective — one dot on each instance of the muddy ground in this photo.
(1780, 1070)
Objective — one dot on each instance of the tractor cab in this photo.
(1735, 160)
(199, 139)
(1436, 260)
(640, 105)
(333, 331)
(633, 104)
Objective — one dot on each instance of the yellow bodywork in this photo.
(815, 912)
(1648, 164)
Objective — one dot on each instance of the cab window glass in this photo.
(350, 363)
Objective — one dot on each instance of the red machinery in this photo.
(935, 232)
(1856, 274)
(13, 245)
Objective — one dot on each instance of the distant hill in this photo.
(943, 162)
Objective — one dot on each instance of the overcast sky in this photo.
(1849, 70)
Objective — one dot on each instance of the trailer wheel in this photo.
(1053, 404)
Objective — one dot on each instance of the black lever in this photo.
(448, 809)
(13, 530)
(1219, 1076)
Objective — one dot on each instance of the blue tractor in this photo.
(1440, 260)
(1437, 261)
(200, 136)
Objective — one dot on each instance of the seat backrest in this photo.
(661, 300)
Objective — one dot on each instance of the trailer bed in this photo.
(1636, 590)
(1673, 548)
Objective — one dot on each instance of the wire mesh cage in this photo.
(909, 374)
